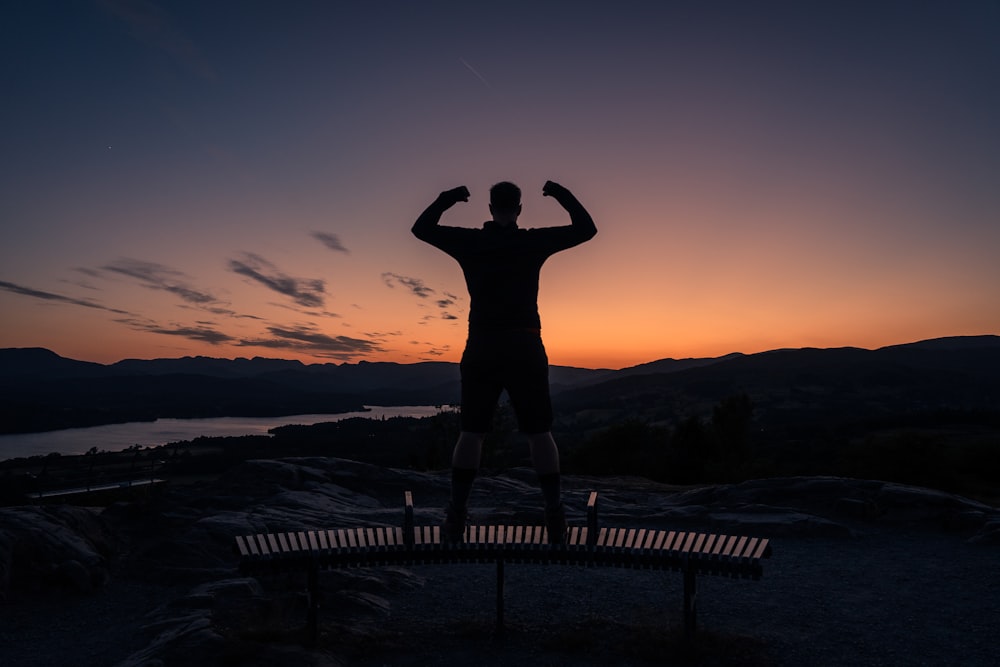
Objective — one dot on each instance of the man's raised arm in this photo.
(429, 219)
(583, 224)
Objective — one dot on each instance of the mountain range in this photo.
(41, 390)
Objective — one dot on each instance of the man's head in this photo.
(505, 203)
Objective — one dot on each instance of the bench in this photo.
(690, 553)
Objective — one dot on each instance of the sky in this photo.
(238, 179)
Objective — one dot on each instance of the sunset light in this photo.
(230, 183)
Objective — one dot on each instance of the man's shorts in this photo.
(512, 360)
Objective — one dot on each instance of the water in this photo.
(116, 437)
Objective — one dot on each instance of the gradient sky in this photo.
(238, 179)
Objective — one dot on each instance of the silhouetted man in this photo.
(504, 349)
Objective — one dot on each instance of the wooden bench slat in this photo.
(616, 537)
(720, 544)
(650, 539)
(640, 539)
(630, 538)
(660, 539)
(243, 545)
(668, 541)
(727, 551)
(738, 549)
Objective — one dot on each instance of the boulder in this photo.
(60, 547)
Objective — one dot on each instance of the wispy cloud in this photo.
(159, 277)
(306, 292)
(331, 241)
(151, 25)
(202, 332)
(419, 289)
(432, 351)
(306, 338)
(57, 298)
(415, 285)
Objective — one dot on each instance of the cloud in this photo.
(415, 285)
(159, 277)
(151, 25)
(57, 298)
(432, 350)
(331, 241)
(306, 292)
(305, 338)
(203, 333)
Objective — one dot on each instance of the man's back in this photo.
(502, 266)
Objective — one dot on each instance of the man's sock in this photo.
(461, 486)
(551, 489)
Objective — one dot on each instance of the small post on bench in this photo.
(408, 529)
(592, 519)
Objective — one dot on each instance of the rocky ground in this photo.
(863, 573)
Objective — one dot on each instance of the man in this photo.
(504, 350)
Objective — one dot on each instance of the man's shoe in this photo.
(555, 523)
(453, 528)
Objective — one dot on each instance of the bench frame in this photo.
(687, 552)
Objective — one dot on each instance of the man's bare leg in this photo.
(464, 466)
(468, 450)
(545, 457)
(544, 453)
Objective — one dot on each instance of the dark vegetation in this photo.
(927, 414)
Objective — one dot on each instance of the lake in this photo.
(116, 437)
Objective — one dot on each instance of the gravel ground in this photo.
(891, 598)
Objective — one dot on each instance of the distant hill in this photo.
(814, 389)
(40, 390)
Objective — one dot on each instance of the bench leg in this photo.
(500, 625)
(690, 604)
(312, 618)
